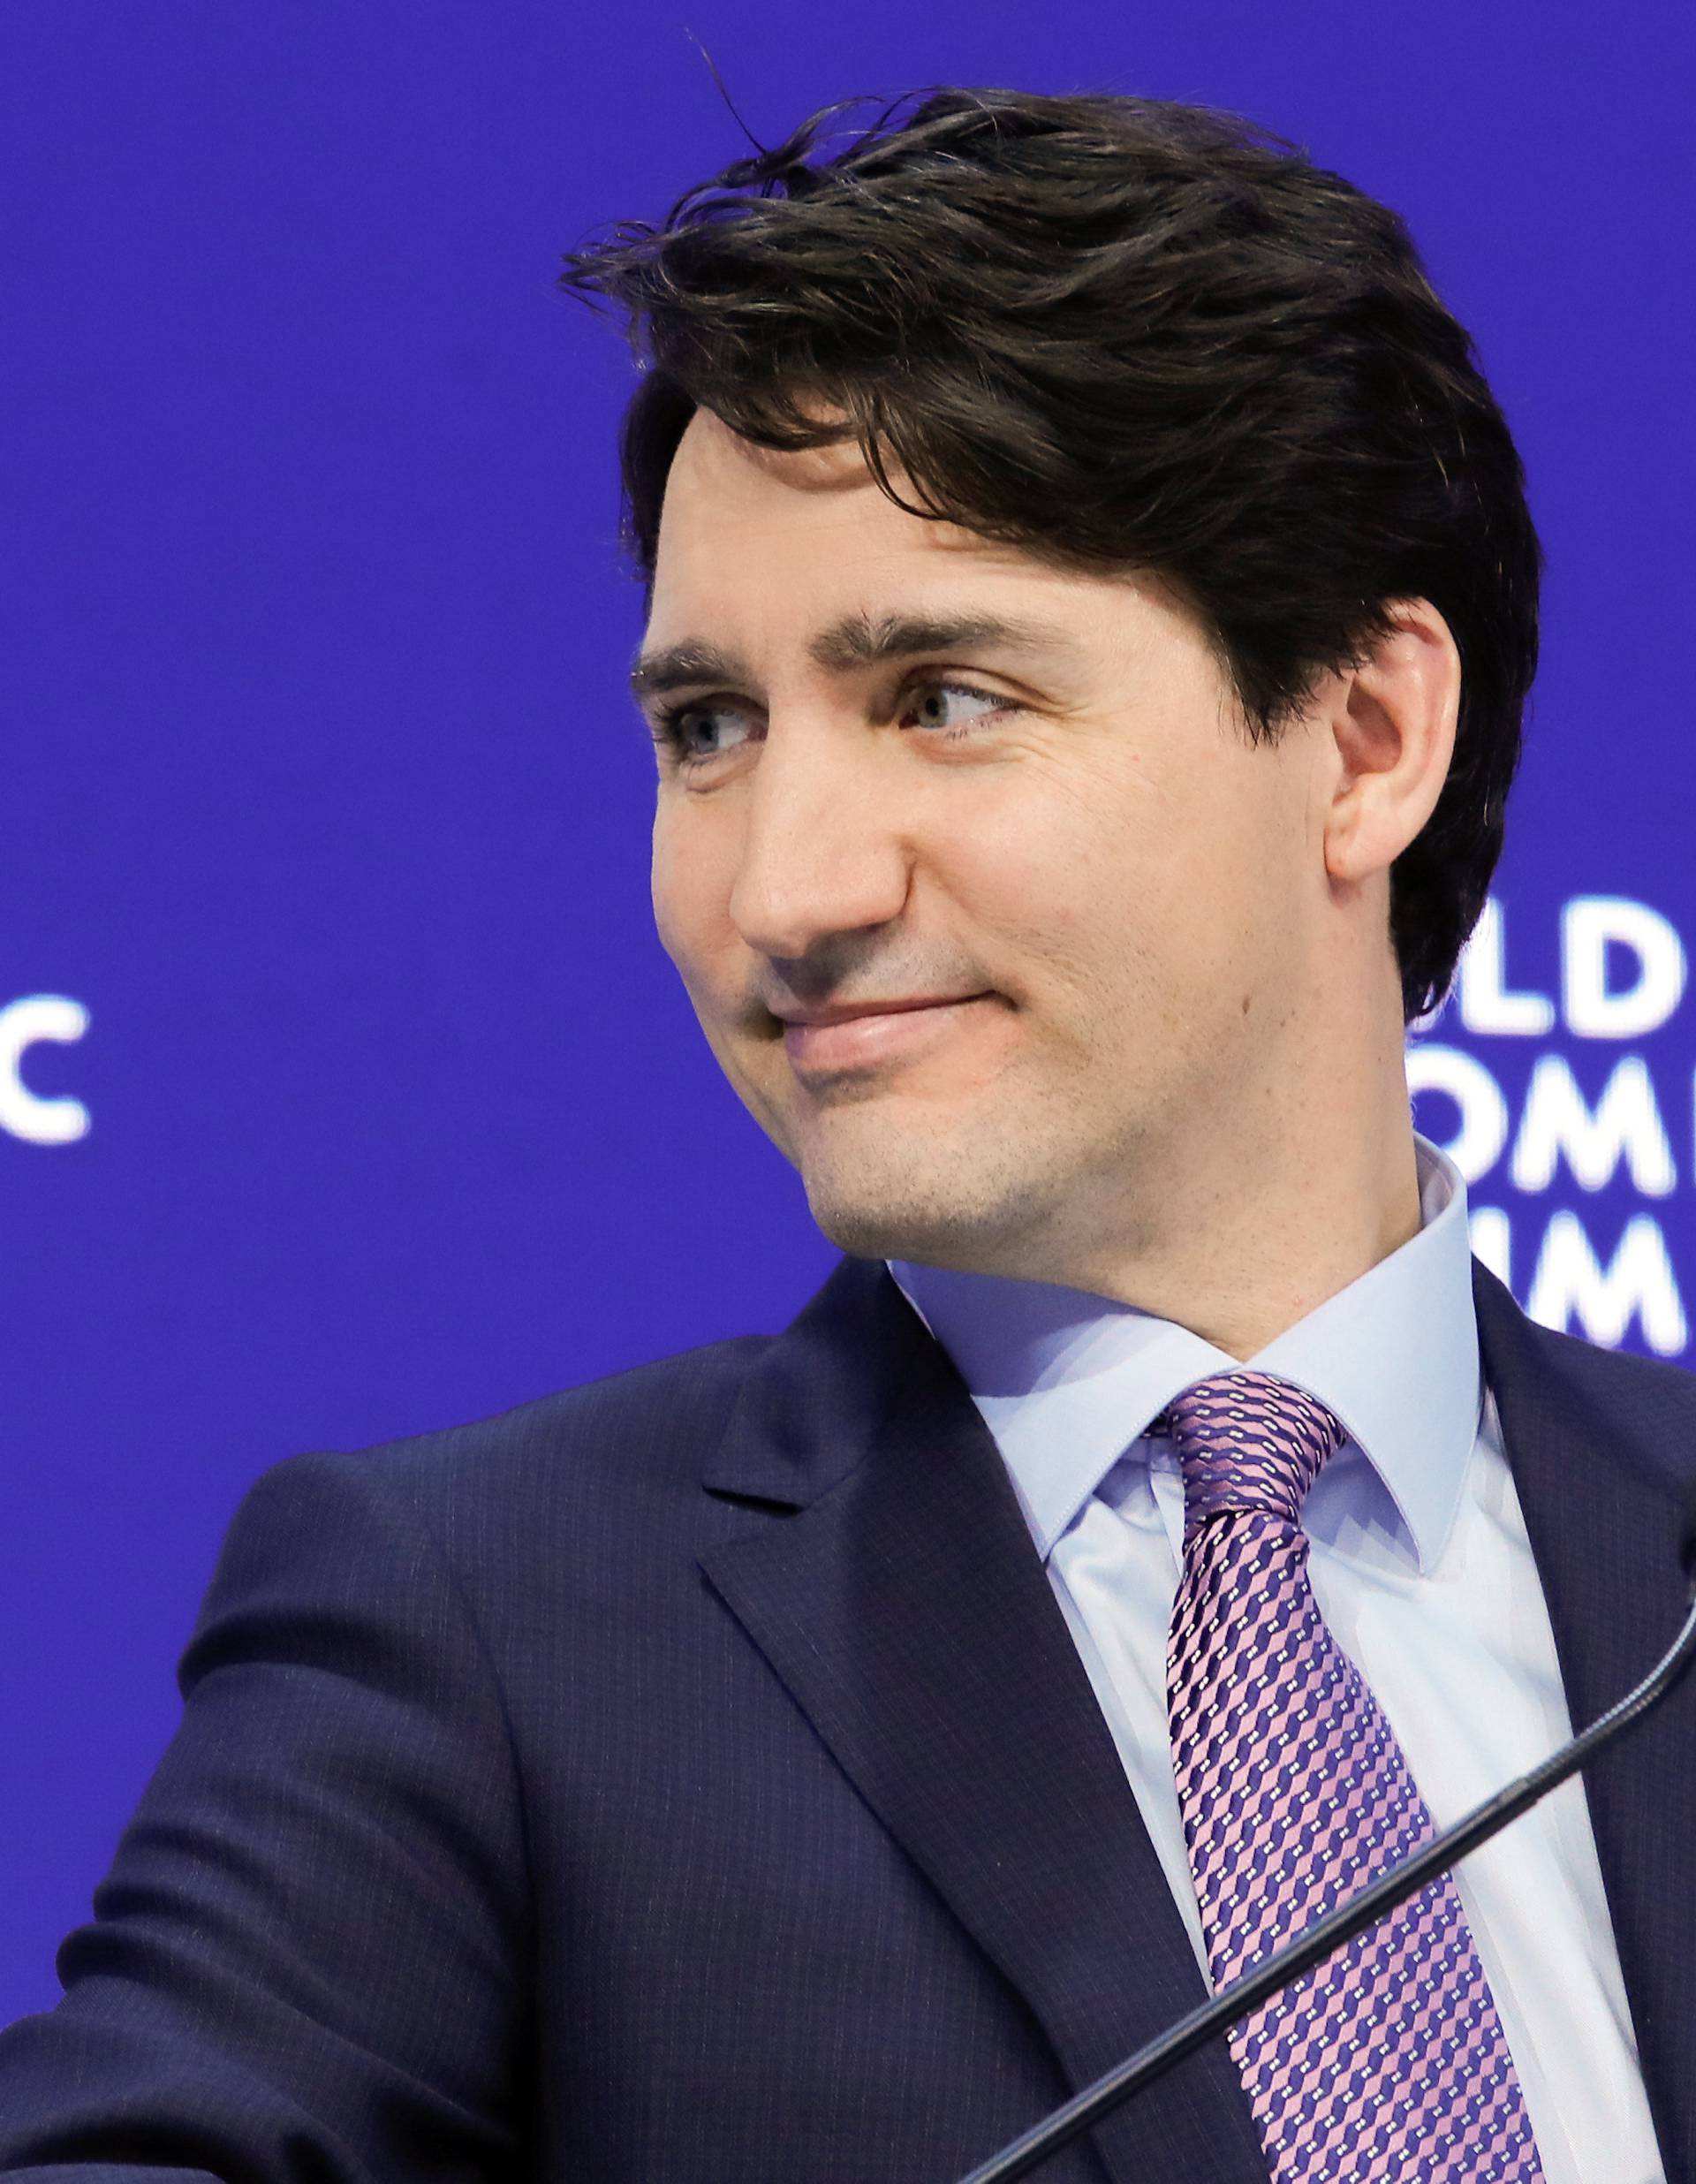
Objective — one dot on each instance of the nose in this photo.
(823, 853)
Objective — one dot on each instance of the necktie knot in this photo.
(1249, 1440)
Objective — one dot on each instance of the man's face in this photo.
(989, 930)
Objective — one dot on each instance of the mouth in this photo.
(856, 1038)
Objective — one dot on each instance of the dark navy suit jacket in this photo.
(691, 1778)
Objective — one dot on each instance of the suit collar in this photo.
(1603, 1449)
(822, 1395)
(888, 1579)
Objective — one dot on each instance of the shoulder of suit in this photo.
(1515, 1342)
(645, 1426)
(1637, 1388)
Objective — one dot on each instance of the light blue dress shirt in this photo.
(1422, 1569)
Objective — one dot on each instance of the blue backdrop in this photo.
(344, 1089)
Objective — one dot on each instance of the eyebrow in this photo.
(857, 640)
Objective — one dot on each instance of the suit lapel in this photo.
(891, 1584)
(1600, 1463)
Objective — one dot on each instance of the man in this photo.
(1092, 601)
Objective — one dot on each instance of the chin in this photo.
(920, 1206)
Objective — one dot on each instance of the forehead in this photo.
(711, 458)
(732, 506)
(765, 554)
(758, 546)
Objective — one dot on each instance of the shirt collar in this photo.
(1067, 1381)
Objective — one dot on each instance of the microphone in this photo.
(1359, 1911)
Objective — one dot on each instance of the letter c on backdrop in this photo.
(39, 1018)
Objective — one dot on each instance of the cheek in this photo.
(1113, 901)
(1056, 865)
(690, 877)
(680, 884)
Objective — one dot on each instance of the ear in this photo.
(1391, 722)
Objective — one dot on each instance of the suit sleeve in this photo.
(309, 1957)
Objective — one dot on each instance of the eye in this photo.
(700, 729)
(928, 707)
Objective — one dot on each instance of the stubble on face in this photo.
(1085, 884)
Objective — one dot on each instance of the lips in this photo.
(863, 1037)
(846, 1012)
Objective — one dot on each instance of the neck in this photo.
(1265, 1210)
(1273, 1254)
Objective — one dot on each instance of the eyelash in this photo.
(668, 733)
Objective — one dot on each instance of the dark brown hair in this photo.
(1120, 333)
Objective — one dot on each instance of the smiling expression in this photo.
(982, 895)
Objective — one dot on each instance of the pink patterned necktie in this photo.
(1388, 2062)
